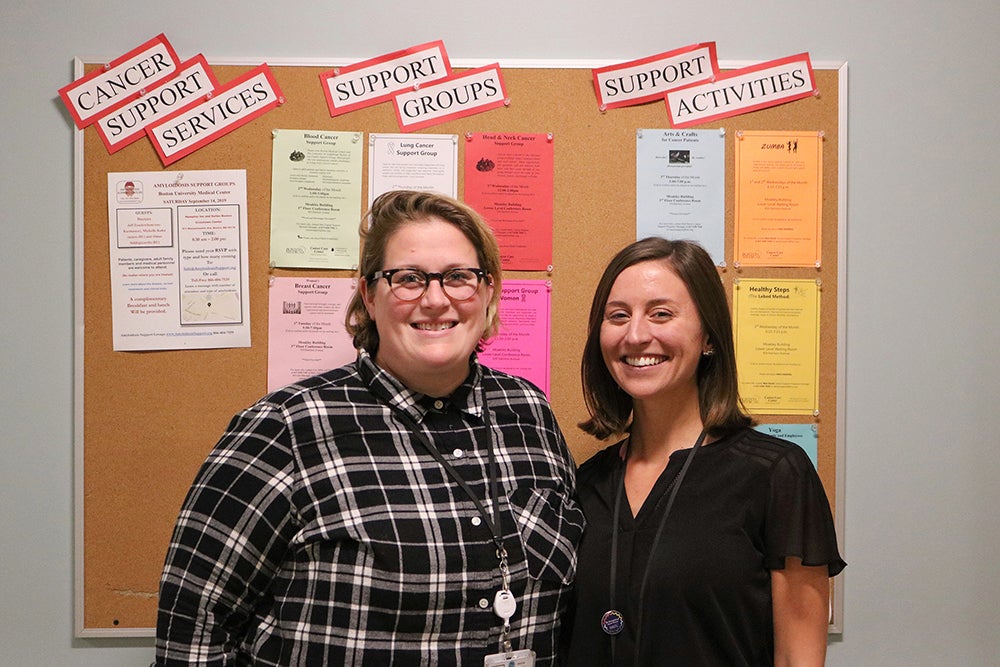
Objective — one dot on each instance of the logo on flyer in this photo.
(128, 192)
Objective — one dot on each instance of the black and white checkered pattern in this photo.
(320, 532)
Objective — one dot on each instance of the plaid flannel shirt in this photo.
(320, 532)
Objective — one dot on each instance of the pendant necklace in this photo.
(613, 621)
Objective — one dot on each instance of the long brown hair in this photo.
(609, 406)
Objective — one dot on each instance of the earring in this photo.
(708, 353)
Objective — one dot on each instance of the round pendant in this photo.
(612, 622)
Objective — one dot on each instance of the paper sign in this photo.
(522, 345)
(803, 435)
(681, 187)
(742, 91)
(232, 106)
(648, 79)
(508, 180)
(776, 333)
(424, 162)
(194, 80)
(778, 198)
(373, 81)
(178, 256)
(457, 96)
(123, 79)
(316, 199)
(305, 328)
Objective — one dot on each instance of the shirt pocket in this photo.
(550, 527)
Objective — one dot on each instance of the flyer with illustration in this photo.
(424, 162)
(508, 180)
(777, 345)
(778, 198)
(522, 345)
(178, 257)
(315, 199)
(681, 187)
(306, 334)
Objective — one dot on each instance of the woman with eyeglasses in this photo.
(411, 507)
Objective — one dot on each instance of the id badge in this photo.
(523, 658)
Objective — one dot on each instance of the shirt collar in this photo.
(387, 388)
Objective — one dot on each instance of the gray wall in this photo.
(922, 529)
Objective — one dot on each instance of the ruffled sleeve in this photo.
(799, 522)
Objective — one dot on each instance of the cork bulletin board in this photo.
(146, 420)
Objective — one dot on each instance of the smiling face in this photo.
(651, 335)
(426, 343)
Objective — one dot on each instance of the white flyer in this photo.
(178, 259)
(412, 162)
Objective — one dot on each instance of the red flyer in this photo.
(508, 180)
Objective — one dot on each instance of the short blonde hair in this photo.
(392, 210)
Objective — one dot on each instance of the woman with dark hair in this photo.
(707, 542)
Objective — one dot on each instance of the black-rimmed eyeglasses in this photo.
(410, 284)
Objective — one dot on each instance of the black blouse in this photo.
(747, 502)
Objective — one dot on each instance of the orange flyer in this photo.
(778, 198)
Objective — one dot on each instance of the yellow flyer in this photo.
(777, 345)
(778, 198)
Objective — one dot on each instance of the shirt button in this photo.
(438, 404)
(476, 521)
(458, 453)
(484, 603)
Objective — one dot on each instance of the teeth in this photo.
(643, 361)
(440, 326)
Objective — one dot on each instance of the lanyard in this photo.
(504, 603)
(613, 621)
(492, 520)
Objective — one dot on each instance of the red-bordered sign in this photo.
(236, 104)
(741, 91)
(460, 95)
(648, 79)
(376, 80)
(120, 81)
(194, 80)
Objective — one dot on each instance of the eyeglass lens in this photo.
(410, 284)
